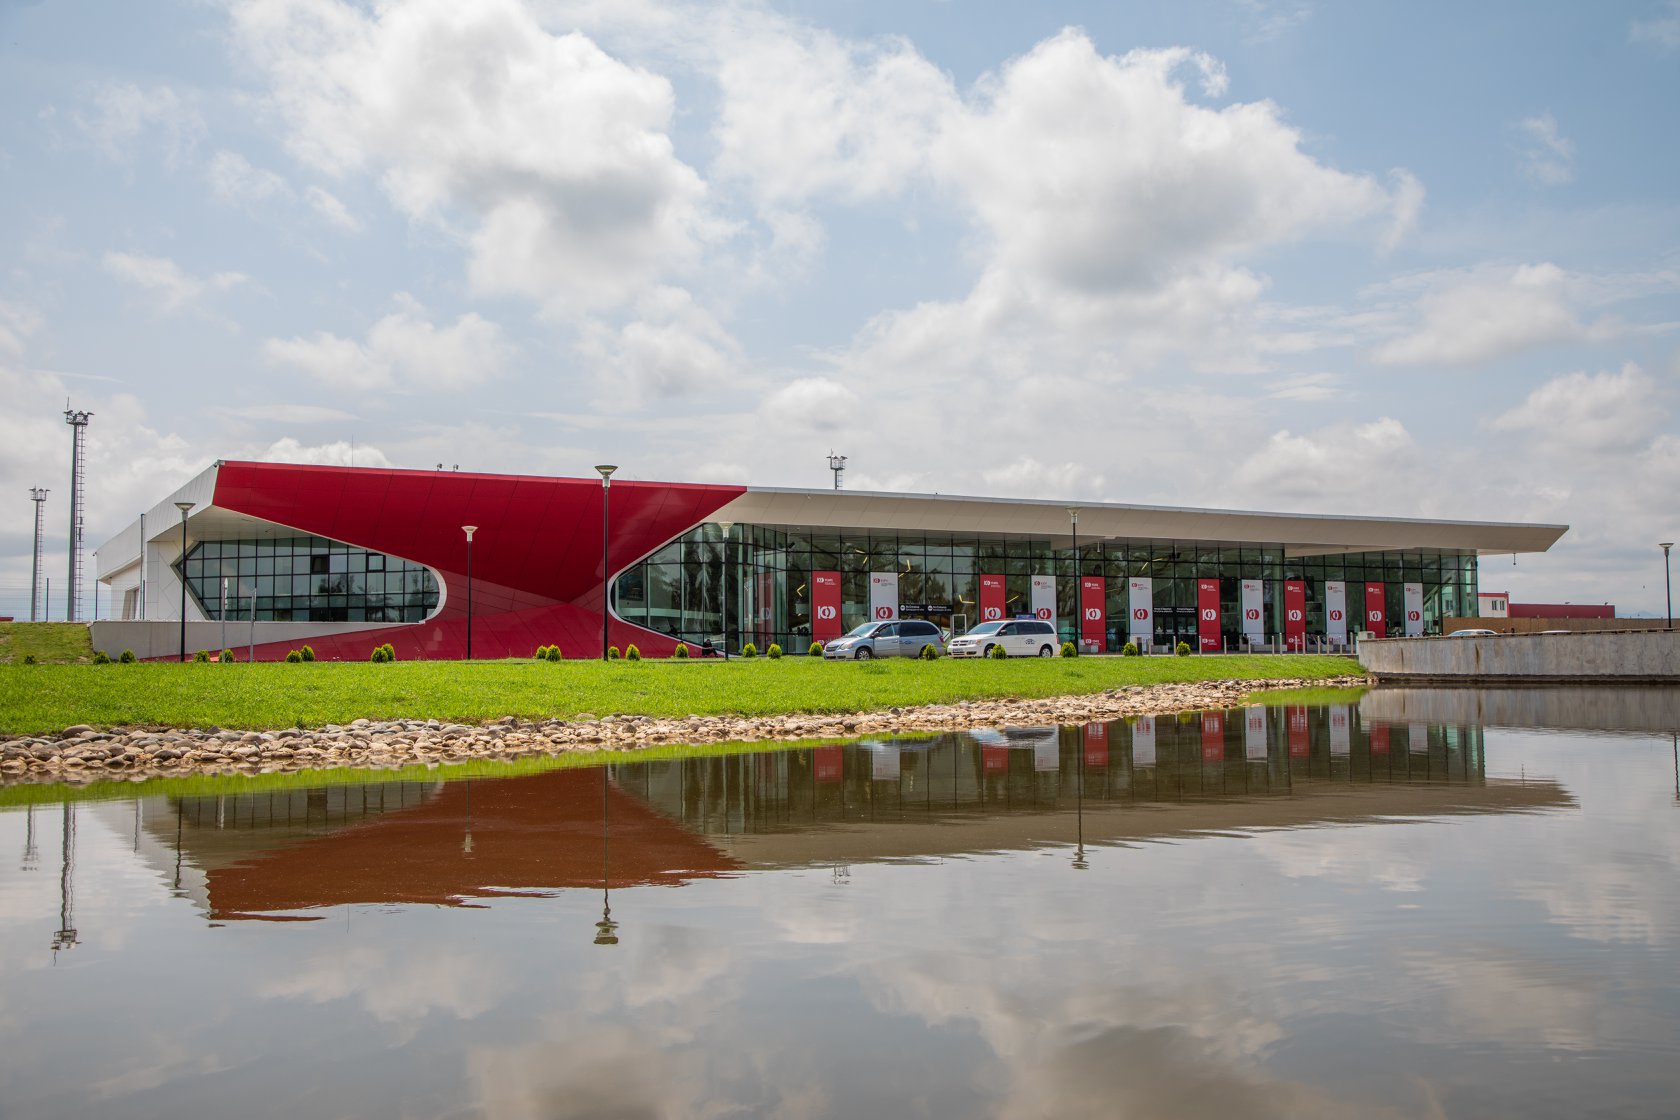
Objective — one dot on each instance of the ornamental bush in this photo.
(998, 653)
(127, 657)
(815, 650)
(390, 651)
(631, 653)
(227, 656)
(307, 653)
(100, 657)
(930, 652)
(202, 657)
(1130, 649)
(293, 657)
(1068, 650)
(383, 653)
(554, 653)
(774, 652)
(612, 653)
(29, 659)
(681, 652)
(749, 650)
(541, 654)
(1182, 649)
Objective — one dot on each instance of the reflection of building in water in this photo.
(650, 823)
(1648, 710)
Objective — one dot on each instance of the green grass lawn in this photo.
(49, 643)
(43, 698)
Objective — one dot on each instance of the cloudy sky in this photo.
(1414, 259)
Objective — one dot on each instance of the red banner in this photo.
(1295, 614)
(1296, 718)
(1093, 612)
(1376, 611)
(1213, 736)
(1096, 746)
(991, 598)
(1379, 738)
(829, 763)
(994, 760)
(1207, 614)
(825, 605)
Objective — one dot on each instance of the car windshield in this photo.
(985, 628)
(863, 631)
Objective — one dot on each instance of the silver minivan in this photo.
(903, 638)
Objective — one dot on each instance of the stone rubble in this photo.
(82, 754)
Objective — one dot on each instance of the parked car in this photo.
(1022, 637)
(1474, 634)
(904, 638)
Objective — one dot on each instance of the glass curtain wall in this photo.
(307, 579)
(757, 587)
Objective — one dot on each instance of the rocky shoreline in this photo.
(84, 754)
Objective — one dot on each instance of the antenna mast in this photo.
(78, 422)
(836, 463)
(38, 495)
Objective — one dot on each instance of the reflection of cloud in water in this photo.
(398, 989)
(1500, 996)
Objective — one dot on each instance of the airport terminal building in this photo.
(277, 555)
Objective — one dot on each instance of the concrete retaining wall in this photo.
(163, 639)
(1627, 658)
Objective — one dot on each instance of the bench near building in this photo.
(347, 558)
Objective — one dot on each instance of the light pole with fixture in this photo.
(726, 526)
(469, 530)
(1668, 587)
(184, 507)
(1078, 588)
(606, 472)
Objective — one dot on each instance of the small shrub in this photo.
(307, 653)
(930, 652)
(202, 657)
(749, 650)
(227, 656)
(390, 651)
(612, 653)
(815, 650)
(1182, 649)
(100, 657)
(378, 655)
(1068, 650)
(631, 653)
(29, 659)
(998, 653)
(774, 652)
(541, 654)
(128, 657)
(1130, 649)
(681, 652)
(554, 653)
(293, 657)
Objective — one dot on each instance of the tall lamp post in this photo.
(726, 526)
(1668, 587)
(184, 507)
(469, 530)
(1078, 591)
(606, 472)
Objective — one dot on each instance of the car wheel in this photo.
(988, 652)
(864, 653)
(1046, 651)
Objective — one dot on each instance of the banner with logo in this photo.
(1417, 738)
(829, 764)
(994, 760)
(1335, 611)
(1341, 730)
(1213, 736)
(1379, 738)
(1295, 614)
(825, 606)
(1047, 753)
(1093, 613)
(1096, 746)
(991, 598)
(1207, 615)
(1414, 610)
(883, 762)
(1143, 741)
(1253, 609)
(1043, 598)
(1300, 744)
(1254, 734)
(1140, 608)
(883, 596)
(1376, 613)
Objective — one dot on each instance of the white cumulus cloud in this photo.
(172, 287)
(404, 350)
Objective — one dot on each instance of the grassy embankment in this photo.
(49, 643)
(43, 698)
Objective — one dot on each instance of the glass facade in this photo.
(764, 574)
(307, 579)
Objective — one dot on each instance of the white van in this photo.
(1022, 637)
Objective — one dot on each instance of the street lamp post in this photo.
(606, 472)
(184, 507)
(1078, 591)
(1668, 587)
(469, 530)
(726, 526)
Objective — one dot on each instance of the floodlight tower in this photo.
(38, 495)
(836, 463)
(78, 421)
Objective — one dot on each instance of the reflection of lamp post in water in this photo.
(606, 930)
(66, 938)
(31, 853)
(1079, 861)
(466, 841)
